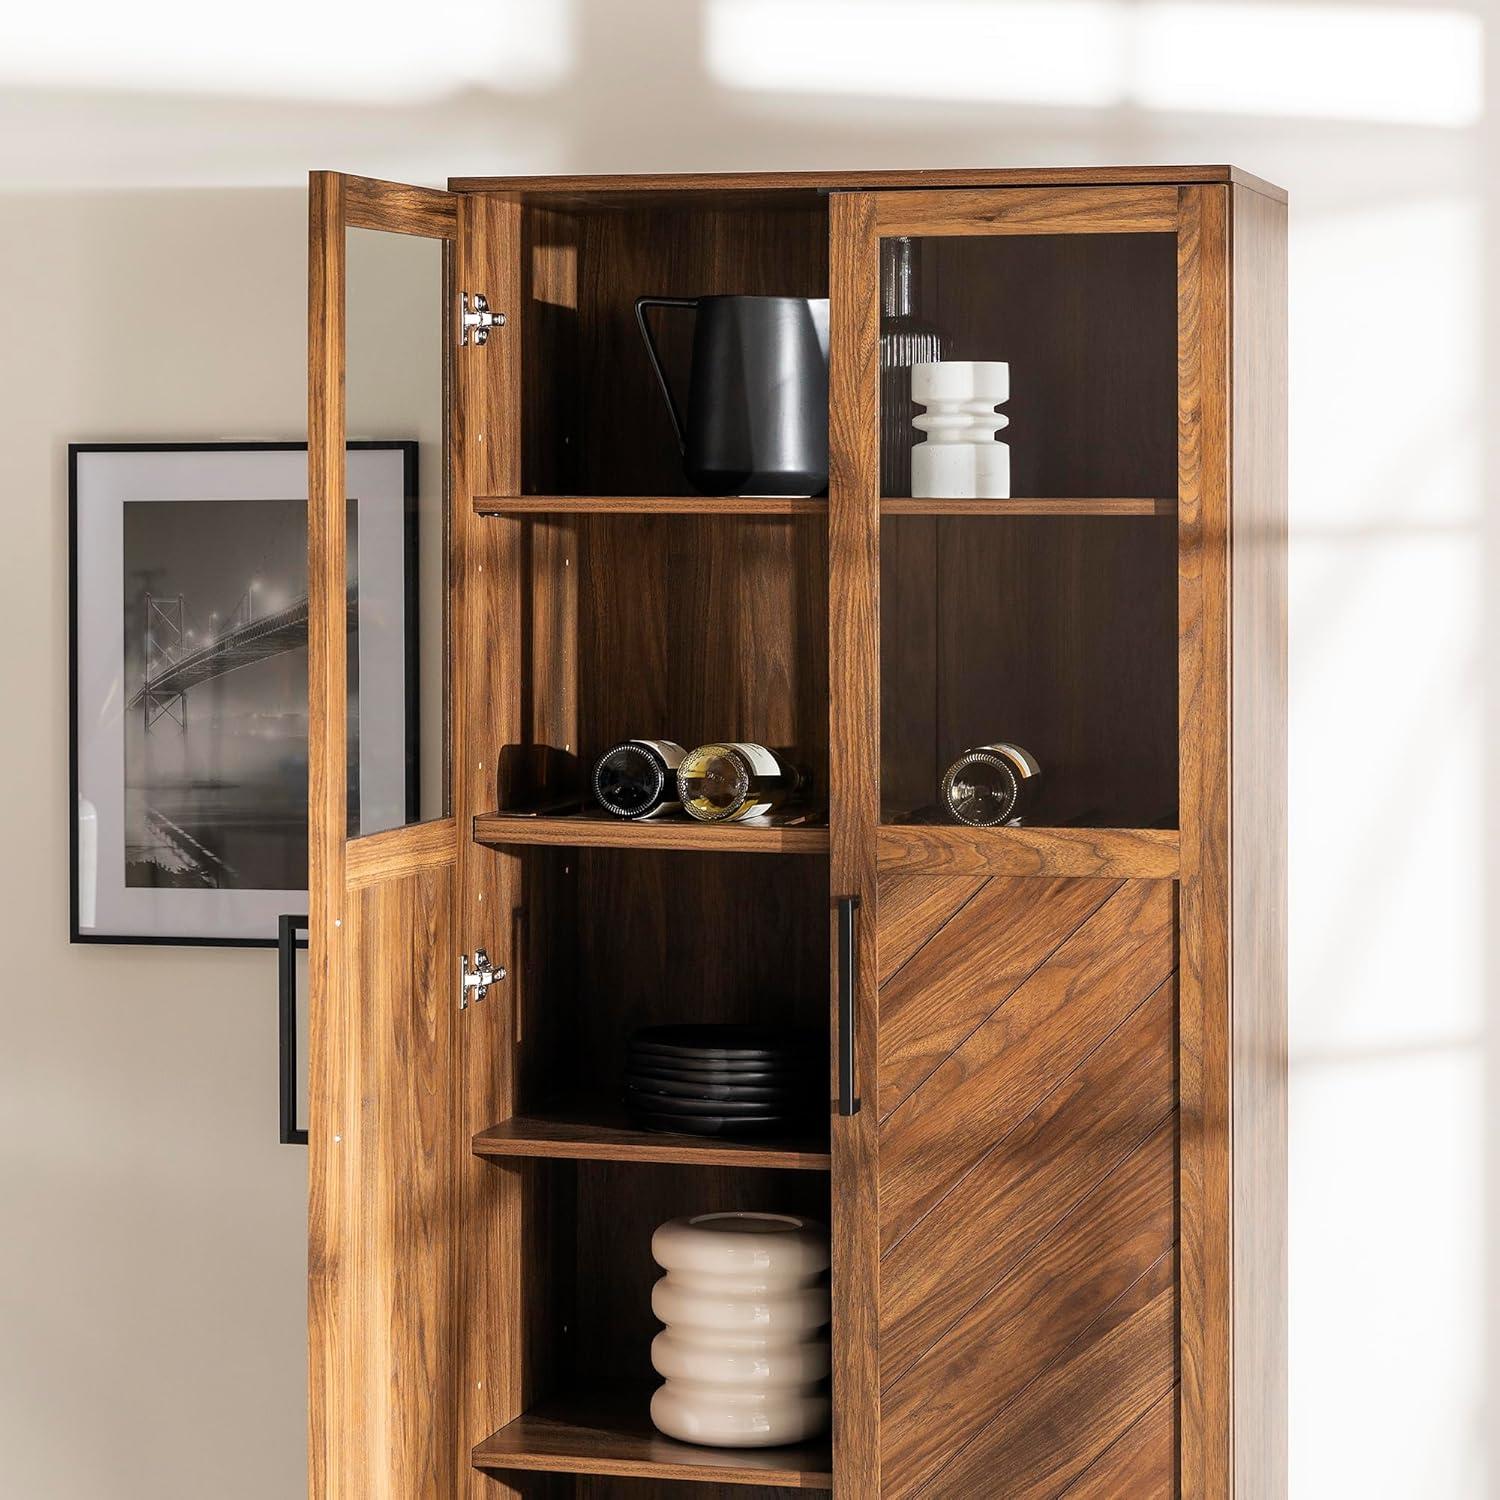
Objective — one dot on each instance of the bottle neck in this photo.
(896, 269)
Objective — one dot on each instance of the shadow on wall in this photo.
(1376, 118)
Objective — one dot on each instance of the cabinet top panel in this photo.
(912, 177)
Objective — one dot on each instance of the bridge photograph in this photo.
(215, 693)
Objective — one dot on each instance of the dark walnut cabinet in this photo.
(1058, 1213)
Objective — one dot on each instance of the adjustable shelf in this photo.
(901, 506)
(578, 1134)
(777, 505)
(609, 1432)
(651, 505)
(596, 830)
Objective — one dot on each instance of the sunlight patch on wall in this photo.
(290, 48)
(1388, 900)
(1400, 65)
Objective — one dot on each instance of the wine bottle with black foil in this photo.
(729, 782)
(637, 779)
(905, 340)
(990, 785)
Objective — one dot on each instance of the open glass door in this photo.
(383, 847)
(1006, 657)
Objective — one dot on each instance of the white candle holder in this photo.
(742, 1353)
(960, 459)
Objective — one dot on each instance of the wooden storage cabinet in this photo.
(1058, 1211)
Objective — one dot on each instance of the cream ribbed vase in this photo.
(746, 1345)
(960, 459)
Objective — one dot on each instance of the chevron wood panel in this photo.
(1141, 1464)
(1027, 1168)
(966, 967)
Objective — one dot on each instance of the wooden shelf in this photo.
(585, 1135)
(590, 830)
(610, 1433)
(776, 505)
(952, 849)
(1115, 507)
(650, 505)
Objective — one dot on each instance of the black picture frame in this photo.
(408, 448)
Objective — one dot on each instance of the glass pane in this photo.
(1057, 634)
(1073, 337)
(1029, 659)
(397, 488)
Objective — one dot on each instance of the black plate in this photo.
(668, 1104)
(771, 1075)
(646, 1083)
(713, 1124)
(776, 1062)
(728, 1042)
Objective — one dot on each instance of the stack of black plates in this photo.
(725, 1080)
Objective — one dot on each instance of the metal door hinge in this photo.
(479, 978)
(474, 316)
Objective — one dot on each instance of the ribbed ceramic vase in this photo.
(960, 459)
(745, 1349)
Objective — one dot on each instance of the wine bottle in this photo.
(905, 340)
(990, 785)
(635, 779)
(727, 782)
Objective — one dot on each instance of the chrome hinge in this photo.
(474, 316)
(479, 978)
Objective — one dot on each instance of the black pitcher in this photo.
(757, 419)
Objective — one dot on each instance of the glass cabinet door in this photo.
(1004, 665)
(1028, 480)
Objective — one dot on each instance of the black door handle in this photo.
(287, 944)
(848, 1099)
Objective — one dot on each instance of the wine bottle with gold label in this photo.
(735, 780)
(637, 779)
(990, 785)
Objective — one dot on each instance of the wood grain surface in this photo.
(336, 1413)
(399, 852)
(1027, 1179)
(599, 1135)
(672, 183)
(898, 505)
(398, 208)
(650, 505)
(587, 831)
(610, 1432)
(510, 1229)
(383, 1055)
(854, 813)
(1203, 713)
(1022, 210)
(956, 849)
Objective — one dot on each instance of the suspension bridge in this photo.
(175, 662)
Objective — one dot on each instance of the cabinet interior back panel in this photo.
(1056, 633)
(595, 422)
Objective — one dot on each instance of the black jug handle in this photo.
(641, 304)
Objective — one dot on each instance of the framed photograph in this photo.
(188, 579)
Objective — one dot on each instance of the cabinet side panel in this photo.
(506, 1215)
(1258, 821)
(1203, 774)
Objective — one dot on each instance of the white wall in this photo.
(151, 276)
